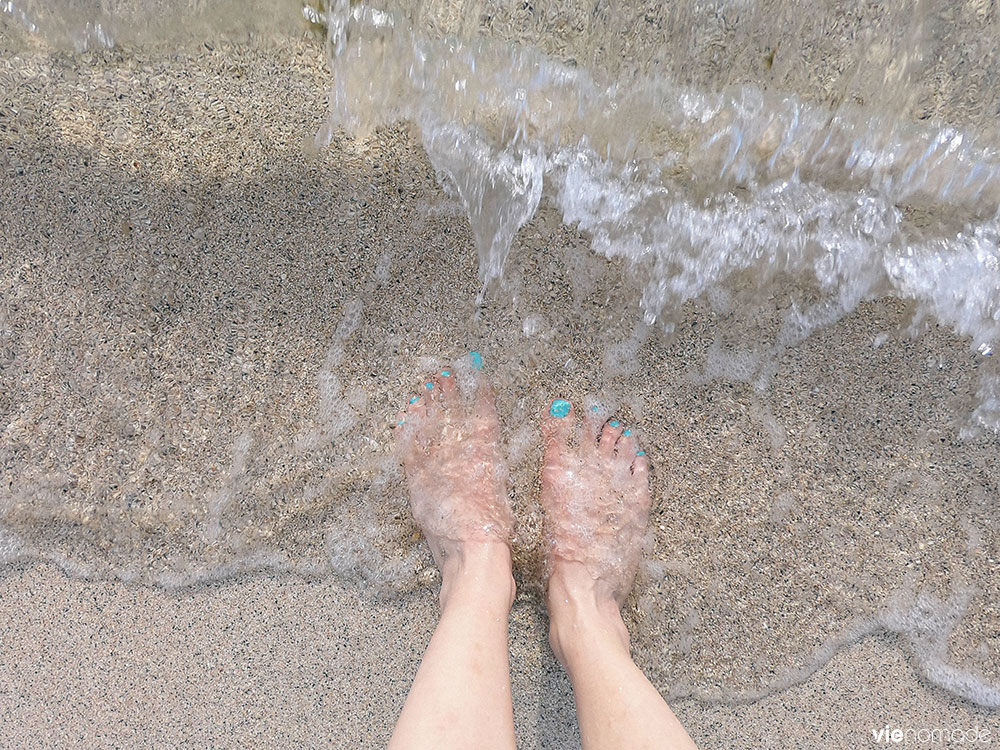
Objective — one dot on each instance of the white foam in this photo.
(533, 325)
(762, 415)
(500, 188)
(773, 185)
(622, 358)
(783, 505)
(384, 268)
(924, 624)
(351, 313)
(599, 407)
(11, 548)
(974, 537)
(986, 415)
(521, 442)
(741, 366)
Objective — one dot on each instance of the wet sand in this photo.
(273, 662)
(181, 259)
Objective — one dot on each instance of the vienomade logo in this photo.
(889, 734)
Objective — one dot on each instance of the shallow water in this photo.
(766, 237)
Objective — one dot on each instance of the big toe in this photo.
(445, 391)
(557, 426)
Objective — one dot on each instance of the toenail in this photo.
(445, 373)
(399, 423)
(627, 433)
(429, 385)
(477, 360)
(560, 408)
(414, 399)
(614, 423)
(593, 408)
(640, 453)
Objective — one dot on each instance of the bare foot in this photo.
(596, 500)
(449, 446)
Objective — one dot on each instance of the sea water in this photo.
(765, 234)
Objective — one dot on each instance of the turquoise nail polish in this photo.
(614, 423)
(593, 408)
(477, 360)
(414, 399)
(399, 423)
(627, 433)
(640, 453)
(429, 385)
(560, 408)
(445, 373)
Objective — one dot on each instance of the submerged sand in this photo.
(181, 258)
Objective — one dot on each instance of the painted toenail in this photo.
(477, 360)
(445, 373)
(414, 399)
(593, 408)
(560, 408)
(429, 385)
(640, 453)
(399, 423)
(614, 423)
(627, 433)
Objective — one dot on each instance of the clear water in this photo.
(766, 234)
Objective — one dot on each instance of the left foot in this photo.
(457, 480)
(596, 500)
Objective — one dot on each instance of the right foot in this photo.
(450, 449)
(596, 500)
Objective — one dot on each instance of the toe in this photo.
(442, 389)
(417, 406)
(557, 426)
(408, 421)
(431, 388)
(401, 430)
(431, 395)
(640, 466)
(627, 445)
(446, 382)
(609, 437)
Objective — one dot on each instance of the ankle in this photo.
(479, 571)
(582, 614)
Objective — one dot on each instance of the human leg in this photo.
(461, 694)
(460, 697)
(596, 498)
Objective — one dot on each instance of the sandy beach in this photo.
(206, 326)
(274, 662)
